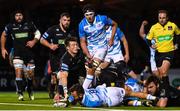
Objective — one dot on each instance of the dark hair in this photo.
(66, 14)
(70, 39)
(153, 79)
(77, 87)
(163, 11)
(88, 7)
(12, 17)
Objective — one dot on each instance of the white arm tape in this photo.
(37, 34)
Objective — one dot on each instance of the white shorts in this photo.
(152, 60)
(114, 57)
(98, 53)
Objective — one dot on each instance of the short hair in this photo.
(66, 14)
(163, 11)
(88, 7)
(70, 39)
(153, 79)
(77, 87)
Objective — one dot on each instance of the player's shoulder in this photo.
(171, 24)
(83, 21)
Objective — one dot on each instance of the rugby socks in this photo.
(29, 85)
(60, 88)
(164, 85)
(150, 97)
(19, 85)
(137, 103)
(87, 81)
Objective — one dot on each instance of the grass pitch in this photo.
(9, 101)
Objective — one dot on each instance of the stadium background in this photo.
(128, 13)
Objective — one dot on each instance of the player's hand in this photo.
(53, 47)
(111, 42)
(126, 58)
(4, 53)
(30, 43)
(153, 46)
(145, 22)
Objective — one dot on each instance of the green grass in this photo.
(8, 101)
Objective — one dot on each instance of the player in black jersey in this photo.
(72, 67)
(24, 35)
(54, 38)
(172, 98)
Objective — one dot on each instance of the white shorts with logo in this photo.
(98, 52)
(114, 57)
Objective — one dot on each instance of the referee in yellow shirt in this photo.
(163, 33)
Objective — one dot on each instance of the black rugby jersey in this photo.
(21, 33)
(55, 35)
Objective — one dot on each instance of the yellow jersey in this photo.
(163, 35)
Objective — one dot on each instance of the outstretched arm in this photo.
(142, 33)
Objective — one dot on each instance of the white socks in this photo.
(87, 81)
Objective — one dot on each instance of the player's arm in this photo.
(3, 45)
(45, 42)
(142, 33)
(150, 36)
(36, 33)
(126, 48)
(83, 44)
(114, 28)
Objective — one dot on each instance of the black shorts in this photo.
(26, 55)
(115, 74)
(123, 68)
(159, 57)
(54, 62)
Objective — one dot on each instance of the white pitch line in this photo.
(42, 105)
(19, 104)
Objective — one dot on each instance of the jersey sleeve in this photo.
(177, 30)
(33, 27)
(64, 64)
(120, 34)
(7, 30)
(48, 34)
(81, 30)
(106, 20)
(150, 35)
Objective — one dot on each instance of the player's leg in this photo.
(18, 65)
(98, 56)
(30, 78)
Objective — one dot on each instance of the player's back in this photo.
(91, 98)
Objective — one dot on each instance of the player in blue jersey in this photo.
(93, 39)
(134, 86)
(115, 55)
(101, 96)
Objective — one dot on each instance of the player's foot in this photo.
(60, 104)
(20, 98)
(51, 95)
(31, 96)
(147, 103)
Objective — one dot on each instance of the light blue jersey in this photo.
(114, 52)
(134, 86)
(95, 33)
(116, 47)
(102, 95)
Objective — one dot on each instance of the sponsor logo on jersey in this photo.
(164, 38)
(169, 27)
